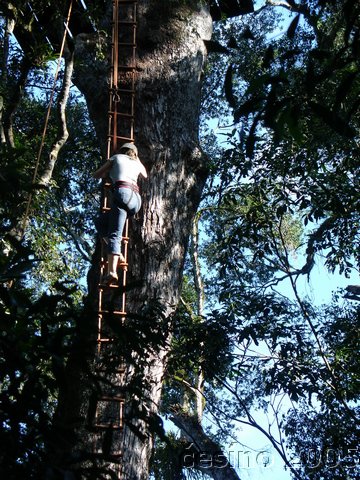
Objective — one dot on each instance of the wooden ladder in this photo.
(108, 416)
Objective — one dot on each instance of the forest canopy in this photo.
(251, 334)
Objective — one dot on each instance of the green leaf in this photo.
(344, 87)
(333, 120)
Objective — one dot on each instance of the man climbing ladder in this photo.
(123, 170)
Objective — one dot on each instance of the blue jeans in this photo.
(125, 203)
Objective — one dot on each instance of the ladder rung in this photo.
(126, 115)
(125, 44)
(126, 139)
(106, 370)
(115, 312)
(112, 286)
(115, 455)
(110, 398)
(129, 67)
(127, 22)
(112, 457)
(126, 67)
(108, 426)
(124, 90)
(119, 137)
(119, 365)
(105, 340)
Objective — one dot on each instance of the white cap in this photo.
(131, 146)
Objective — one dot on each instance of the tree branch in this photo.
(63, 133)
(14, 100)
(212, 460)
(278, 446)
(8, 30)
(199, 287)
(279, 3)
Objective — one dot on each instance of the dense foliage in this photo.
(282, 203)
(42, 284)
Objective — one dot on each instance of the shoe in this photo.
(110, 278)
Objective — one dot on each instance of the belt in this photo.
(121, 183)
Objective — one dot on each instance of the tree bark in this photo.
(4, 63)
(203, 453)
(63, 133)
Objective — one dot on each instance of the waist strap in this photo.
(121, 183)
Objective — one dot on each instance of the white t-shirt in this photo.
(124, 168)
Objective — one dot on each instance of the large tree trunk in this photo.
(171, 55)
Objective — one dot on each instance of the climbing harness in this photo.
(108, 419)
